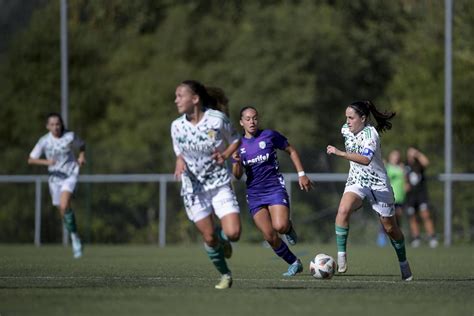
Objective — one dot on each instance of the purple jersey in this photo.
(258, 156)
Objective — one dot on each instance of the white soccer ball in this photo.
(323, 266)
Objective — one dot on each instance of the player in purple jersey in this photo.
(266, 193)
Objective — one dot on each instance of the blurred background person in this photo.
(396, 173)
(58, 148)
(417, 201)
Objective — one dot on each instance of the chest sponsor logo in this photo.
(257, 159)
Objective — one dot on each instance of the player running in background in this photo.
(367, 179)
(266, 193)
(396, 174)
(417, 198)
(203, 138)
(58, 147)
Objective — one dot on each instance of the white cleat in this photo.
(341, 262)
(76, 246)
(225, 282)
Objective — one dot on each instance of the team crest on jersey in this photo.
(262, 144)
(211, 134)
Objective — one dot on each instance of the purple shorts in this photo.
(257, 201)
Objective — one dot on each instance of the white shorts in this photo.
(222, 200)
(382, 201)
(56, 187)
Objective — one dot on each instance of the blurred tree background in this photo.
(299, 62)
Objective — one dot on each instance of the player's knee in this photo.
(282, 228)
(210, 238)
(343, 212)
(233, 234)
(389, 229)
(425, 215)
(62, 208)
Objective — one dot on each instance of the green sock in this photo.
(217, 257)
(70, 221)
(399, 246)
(220, 234)
(341, 238)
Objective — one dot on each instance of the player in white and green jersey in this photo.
(58, 148)
(203, 138)
(367, 179)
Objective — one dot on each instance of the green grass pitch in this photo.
(146, 280)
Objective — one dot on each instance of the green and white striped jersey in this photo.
(366, 143)
(61, 150)
(196, 144)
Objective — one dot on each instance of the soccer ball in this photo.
(322, 266)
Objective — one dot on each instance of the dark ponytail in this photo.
(382, 118)
(211, 97)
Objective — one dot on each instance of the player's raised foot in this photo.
(406, 271)
(291, 236)
(225, 282)
(341, 262)
(76, 246)
(294, 268)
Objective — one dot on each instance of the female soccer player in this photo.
(203, 138)
(266, 193)
(57, 146)
(367, 178)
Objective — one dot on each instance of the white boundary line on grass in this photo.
(293, 280)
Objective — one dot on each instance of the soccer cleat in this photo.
(433, 242)
(76, 246)
(291, 236)
(406, 271)
(225, 282)
(341, 262)
(294, 268)
(415, 243)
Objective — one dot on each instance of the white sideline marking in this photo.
(133, 278)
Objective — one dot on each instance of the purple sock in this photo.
(285, 253)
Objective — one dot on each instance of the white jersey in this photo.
(61, 151)
(366, 143)
(196, 144)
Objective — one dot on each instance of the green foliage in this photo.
(299, 62)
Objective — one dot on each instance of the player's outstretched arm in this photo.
(363, 160)
(40, 162)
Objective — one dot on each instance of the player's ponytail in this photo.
(211, 97)
(364, 108)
